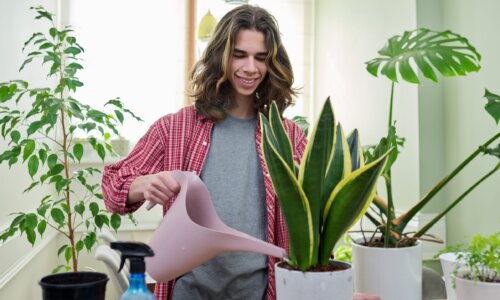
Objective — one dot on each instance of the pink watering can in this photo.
(191, 233)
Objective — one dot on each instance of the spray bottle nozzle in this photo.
(135, 251)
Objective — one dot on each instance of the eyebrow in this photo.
(242, 51)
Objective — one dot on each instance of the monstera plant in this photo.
(427, 53)
(44, 138)
(322, 197)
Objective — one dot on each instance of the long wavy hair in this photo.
(209, 84)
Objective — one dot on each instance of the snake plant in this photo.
(322, 197)
(424, 52)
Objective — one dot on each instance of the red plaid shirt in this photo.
(181, 141)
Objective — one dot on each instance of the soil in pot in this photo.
(74, 286)
(379, 242)
(332, 267)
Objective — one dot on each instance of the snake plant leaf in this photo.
(426, 51)
(278, 130)
(355, 149)
(314, 164)
(493, 105)
(293, 202)
(338, 166)
(347, 203)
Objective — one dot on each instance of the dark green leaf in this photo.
(41, 227)
(78, 151)
(67, 254)
(61, 249)
(119, 115)
(31, 186)
(72, 50)
(42, 154)
(449, 53)
(53, 32)
(51, 161)
(33, 165)
(98, 220)
(56, 169)
(31, 236)
(89, 240)
(94, 208)
(101, 152)
(493, 105)
(28, 149)
(79, 246)
(15, 136)
(80, 208)
(33, 127)
(116, 221)
(58, 216)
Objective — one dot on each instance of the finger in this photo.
(162, 200)
(171, 183)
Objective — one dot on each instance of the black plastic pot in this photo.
(74, 286)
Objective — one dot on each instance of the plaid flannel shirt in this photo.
(181, 141)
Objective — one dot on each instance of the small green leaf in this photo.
(15, 136)
(65, 208)
(78, 151)
(28, 149)
(53, 32)
(101, 152)
(493, 105)
(57, 269)
(119, 115)
(79, 246)
(51, 161)
(61, 249)
(94, 208)
(89, 240)
(80, 208)
(58, 216)
(31, 221)
(116, 221)
(67, 254)
(33, 127)
(33, 165)
(72, 50)
(98, 221)
(42, 154)
(42, 209)
(41, 227)
(56, 169)
(31, 236)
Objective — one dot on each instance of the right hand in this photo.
(157, 188)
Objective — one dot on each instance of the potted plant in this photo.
(44, 137)
(321, 199)
(427, 52)
(478, 274)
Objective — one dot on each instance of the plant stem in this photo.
(431, 223)
(390, 110)
(65, 148)
(434, 190)
(390, 208)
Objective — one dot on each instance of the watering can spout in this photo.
(191, 233)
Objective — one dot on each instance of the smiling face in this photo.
(247, 68)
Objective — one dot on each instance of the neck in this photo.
(242, 108)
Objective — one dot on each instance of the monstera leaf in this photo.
(425, 51)
(493, 105)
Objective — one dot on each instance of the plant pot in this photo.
(299, 285)
(469, 289)
(448, 263)
(74, 286)
(390, 273)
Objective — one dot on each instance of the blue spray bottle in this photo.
(135, 252)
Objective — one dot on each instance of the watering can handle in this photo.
(150, 205)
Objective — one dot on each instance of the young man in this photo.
(243, 69)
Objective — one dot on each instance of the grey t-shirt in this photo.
(233, 176)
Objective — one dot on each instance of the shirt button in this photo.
(204, 143)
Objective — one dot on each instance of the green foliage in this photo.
(426, 53)
(43, 138)
(324, 197)
(481, 259)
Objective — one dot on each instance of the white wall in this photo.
(349, 33)
(467, 125)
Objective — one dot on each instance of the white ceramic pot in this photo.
(390, 273)
(448, 263)
(471, 290)
(299, 285)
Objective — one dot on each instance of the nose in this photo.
(250, 66)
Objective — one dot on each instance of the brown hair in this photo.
(209, 83)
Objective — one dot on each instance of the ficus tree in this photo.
(43, 137)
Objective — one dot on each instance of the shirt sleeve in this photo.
(146, 158)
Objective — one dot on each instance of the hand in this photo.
(361, 296)
(157, 188)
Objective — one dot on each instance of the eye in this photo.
(260, 58)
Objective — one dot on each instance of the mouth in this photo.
(247, 82)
